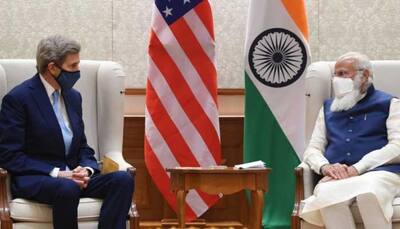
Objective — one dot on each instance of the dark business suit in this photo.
(31, 145)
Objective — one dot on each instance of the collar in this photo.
(49, 89)
(370, 90)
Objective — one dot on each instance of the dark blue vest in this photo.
(354, 133)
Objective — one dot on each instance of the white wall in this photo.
(118, 30)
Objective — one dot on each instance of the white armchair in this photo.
(101, 86)
(318, 88)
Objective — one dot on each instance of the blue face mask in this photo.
(67, 79)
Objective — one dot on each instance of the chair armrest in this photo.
(299, 192)
(114, 161)
(4, 196)
(309, 179)
(306, 180)
(133, 213)
(299, 195)
(305, 183)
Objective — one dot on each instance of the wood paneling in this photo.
(151, 206)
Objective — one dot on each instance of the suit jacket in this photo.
(31, 142)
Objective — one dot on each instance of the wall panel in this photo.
(119, 29)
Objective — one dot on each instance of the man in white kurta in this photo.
(355, 146)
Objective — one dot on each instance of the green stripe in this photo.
(265, 140)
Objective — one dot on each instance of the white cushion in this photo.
(25, 210)
(82, 225)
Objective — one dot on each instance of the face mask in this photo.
(67, 79)
(342, 86)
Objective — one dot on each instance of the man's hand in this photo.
(351, 171)
(79, 175)
(80, 170)
(336, 171)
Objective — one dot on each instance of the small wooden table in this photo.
(221, 180)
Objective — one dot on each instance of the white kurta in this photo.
(384, 185)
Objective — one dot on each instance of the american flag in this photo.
(182, 127)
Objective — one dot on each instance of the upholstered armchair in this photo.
(318, 88)
(101, 86)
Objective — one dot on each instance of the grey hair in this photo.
(54, 49)
(360, 62)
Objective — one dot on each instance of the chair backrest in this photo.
(100, 85)
(318, 85)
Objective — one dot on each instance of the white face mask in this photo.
(342, 86)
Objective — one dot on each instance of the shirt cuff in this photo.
(316, 162)
(360, 167)
(90, 170)
(320, 169)
(54, 172)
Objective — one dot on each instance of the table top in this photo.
(217, 169)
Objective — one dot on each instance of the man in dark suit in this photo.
(43, 144)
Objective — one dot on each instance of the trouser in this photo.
(63, 194)
(340, 216)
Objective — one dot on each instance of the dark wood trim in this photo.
(299, 195)
(6, 222)
(231, 91)
(135, 91)
(221, 91)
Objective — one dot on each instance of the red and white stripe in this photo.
(182, 127)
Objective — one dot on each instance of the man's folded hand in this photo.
(336, 171)
(79, 175)
(352, 171)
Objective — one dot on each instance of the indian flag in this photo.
(277, 55)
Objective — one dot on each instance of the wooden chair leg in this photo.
(134, 222)
(295, 221)
(6, 224)
(299, 195)
(5, 219)
(134, 215)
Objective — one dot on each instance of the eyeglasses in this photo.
(346, 74)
